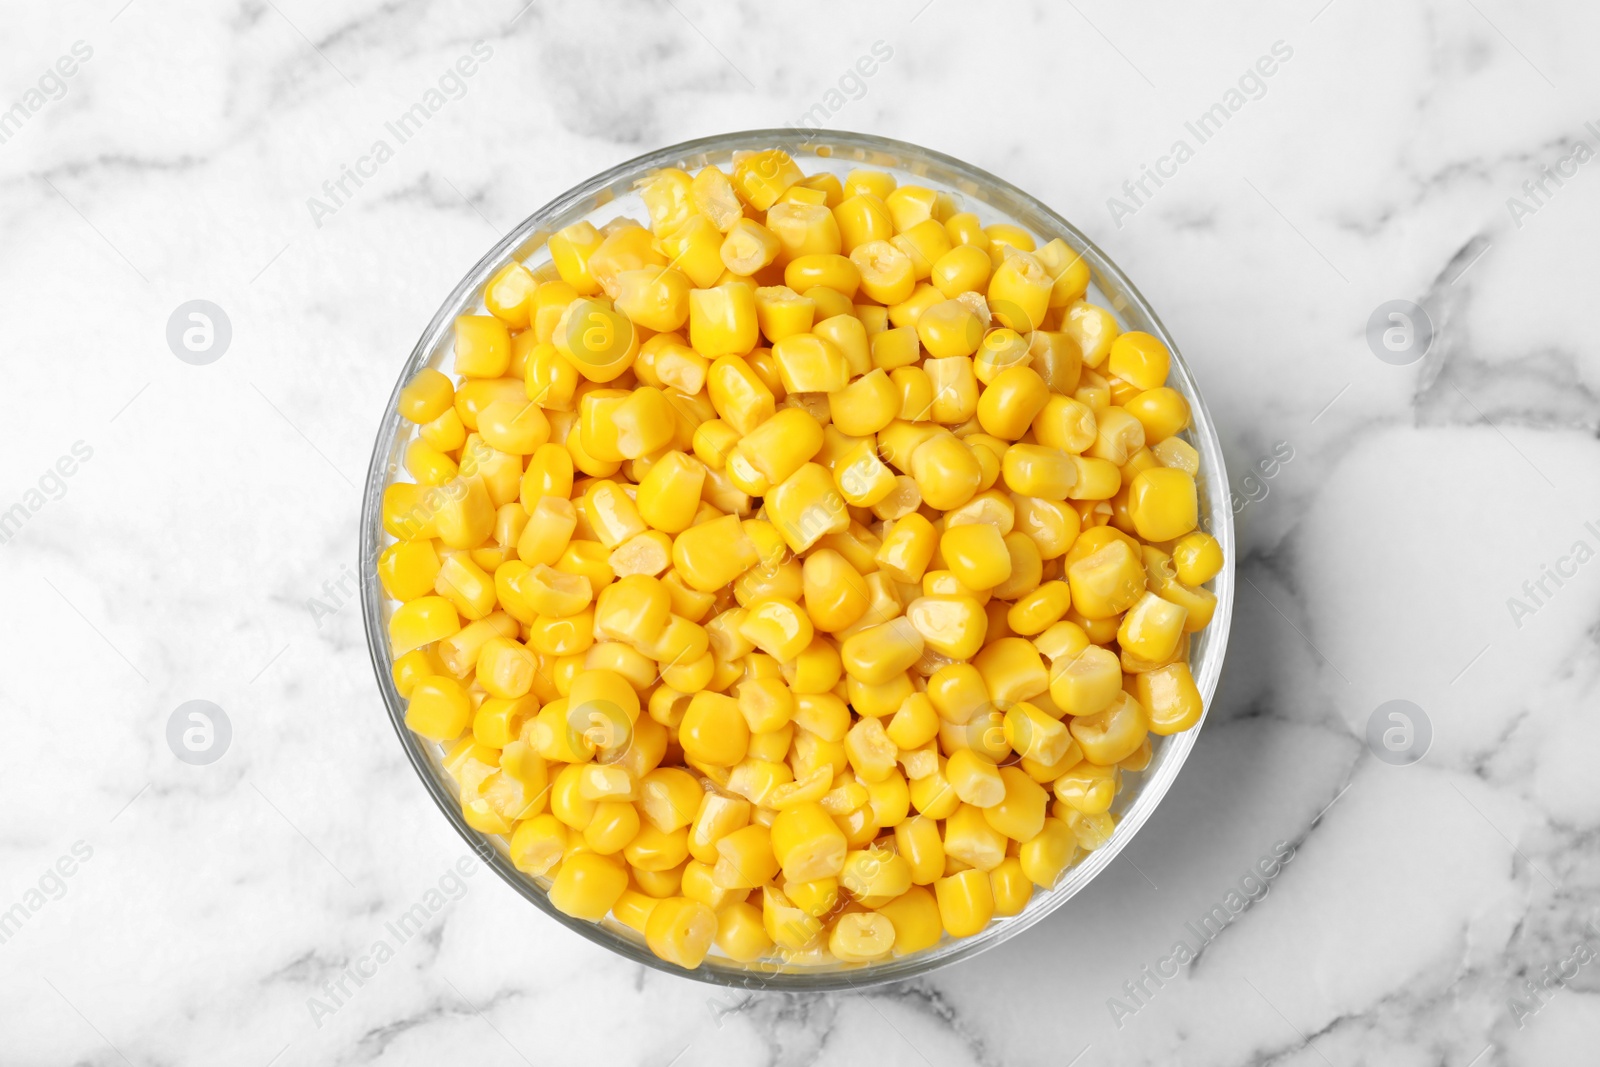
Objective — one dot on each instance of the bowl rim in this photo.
(1125, 296)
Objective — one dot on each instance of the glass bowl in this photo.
(612, 193)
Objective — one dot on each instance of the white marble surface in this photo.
(178, 561)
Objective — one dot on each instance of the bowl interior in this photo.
(612, 194)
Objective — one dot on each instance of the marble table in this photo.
(1418, 501)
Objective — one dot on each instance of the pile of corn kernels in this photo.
(766, 570)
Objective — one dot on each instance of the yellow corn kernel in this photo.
(717, 817)
(1034, 735)
(1010, 886)
(783, 312)
(1037, 611)
(571, 248)
(412, 667)
(778, 626)
(1013, 399)
(955, 389)
(615, 823)
(658, 884)
(408, 569)
(969, 838)
(1095, 479)
(926, 243)
(1197, 558)
(1141, 359)
(538, 844)
(713, 196)
(1161, 412)
(1106, 581)
(636, 608)
(739, 396)
(506, 668)
(656, 298)
(713, 730)
(878, 653)
(745, 859)
(587, 885)
(656, 850)
(950, 328)
(761, 177)
(668, 195)
(946, 472)
(669, 798)
(966, 902)
(886, 272)
(965, 229)
(907, 547)
(722, 321)
(909, 205)
(1086, 683)
(680, 931)
(1019, 292)
(439, 708)
(1151, 629)
(626, 246)
(548, 591)
(1118, 435)
(445, 433)
(808, 363)
(829, 270)
(952, 626)
(421, 622)
(958, 692)
(1048, 853)
(805, 507)
(748, 247)
(1112, 734)
(866, 405)
(863, 218)
(498, 721)
(861, 937)
(805, 229)
(426, 396)
(459, 652)
(976, 554)
(808, 844)
(740, 933)
(1088, 787)
(975, 778)
(916, 920)
(1177, 453)
(1020, 813)
(790, 927)
(1011, 670)
(670, 493)
(1170, 698)
(482, 346)
(633, 909)
(1065, 423)
(1094, 329)
(599, 342)
(1039, 471)
(963, 268)
(863, 479)
(1163, 504)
